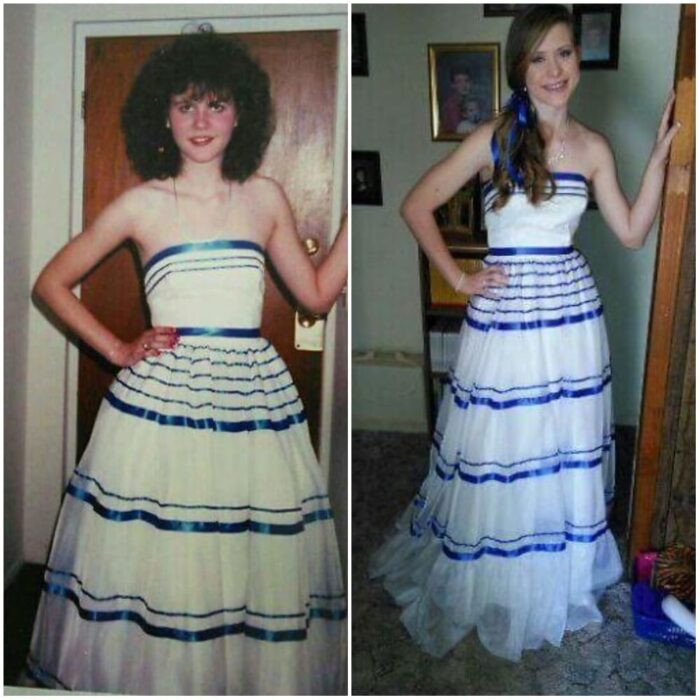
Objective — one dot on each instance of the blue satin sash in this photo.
(214, 332)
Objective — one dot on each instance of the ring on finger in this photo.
(146, 346)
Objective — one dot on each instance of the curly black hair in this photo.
(206, 63)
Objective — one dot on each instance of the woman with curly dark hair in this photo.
(195, 551)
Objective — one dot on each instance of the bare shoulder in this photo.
(266, 195)
(484, 132)
(144, 207)
(590, 149)
(263, 188)
(592, 142)
(481, 139)
(146, 195)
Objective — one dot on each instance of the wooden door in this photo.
(302, 70)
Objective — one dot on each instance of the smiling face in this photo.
(553, 72)
(462, 83)
(201, 126)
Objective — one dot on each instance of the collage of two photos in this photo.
(309, 389)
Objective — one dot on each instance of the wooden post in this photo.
(674, 219)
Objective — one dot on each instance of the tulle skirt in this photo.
(508, 533)
(195, 551)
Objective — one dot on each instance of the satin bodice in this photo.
(215, 283)
(551, 223)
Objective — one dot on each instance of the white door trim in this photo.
(244, 24)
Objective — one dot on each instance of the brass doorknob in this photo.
(306, 321)
(311, 245)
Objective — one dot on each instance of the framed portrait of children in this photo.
(597, 32)
(464, 88)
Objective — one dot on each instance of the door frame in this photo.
(334, 21)
(651, 460)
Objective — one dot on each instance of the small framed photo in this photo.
(366, 178)
(360, 64)
(459, 217)
(464, 88)
(597, 32)
(499, 9)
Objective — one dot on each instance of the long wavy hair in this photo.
(518, 144)
(205, 63)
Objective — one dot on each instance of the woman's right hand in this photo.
(149, 344)
(485, 282)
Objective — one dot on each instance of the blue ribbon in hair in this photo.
(519, 105)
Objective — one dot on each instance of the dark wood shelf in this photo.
(461, 244)
(444, 312)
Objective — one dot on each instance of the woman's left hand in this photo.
(665, 134)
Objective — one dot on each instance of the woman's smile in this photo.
(201, 140)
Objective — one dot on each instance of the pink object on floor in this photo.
(644, 566)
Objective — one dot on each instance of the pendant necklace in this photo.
(561, 153)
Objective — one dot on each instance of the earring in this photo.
(161, 149)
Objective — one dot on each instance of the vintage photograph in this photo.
(178, 517)
(366, 178)
(597, 29)
(464, 88)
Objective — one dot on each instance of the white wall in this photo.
(50, 228)
(19, 40)
(391, 115)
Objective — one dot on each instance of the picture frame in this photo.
(359, 59)
(502, 10)
(597, 32)
(366, 178)
(464, 88)
(459, 219)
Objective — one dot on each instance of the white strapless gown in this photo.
(195, 551)
(508, 532)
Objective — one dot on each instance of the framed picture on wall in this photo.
(459, 218)
(360, 64)
(597, 32)
(464, 88)
(498, 9)
(366, 178)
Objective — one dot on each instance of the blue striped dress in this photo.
(195, 551)
(508, 533)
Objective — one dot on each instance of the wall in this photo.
(50, 228)
(19, 38)
(391, 115)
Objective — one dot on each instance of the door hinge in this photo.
(82, 105)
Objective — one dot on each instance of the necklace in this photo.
(561, 153)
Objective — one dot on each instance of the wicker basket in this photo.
(651, 622)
